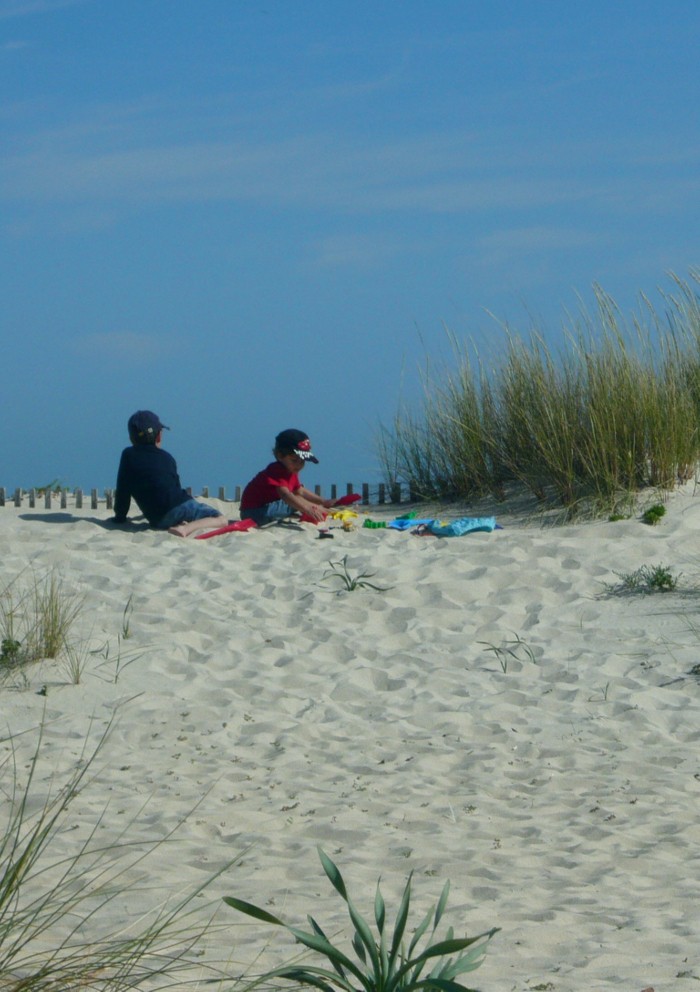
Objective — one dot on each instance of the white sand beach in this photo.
(490, 717)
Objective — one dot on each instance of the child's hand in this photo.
(315, 512)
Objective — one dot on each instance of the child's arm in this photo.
(315, 498)
(304, 501)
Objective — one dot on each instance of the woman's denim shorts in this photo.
(185, 513)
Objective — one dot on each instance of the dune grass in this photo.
(36, 619)
(60, 922)
(615, 410)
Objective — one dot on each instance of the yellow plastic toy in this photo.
(343, 515)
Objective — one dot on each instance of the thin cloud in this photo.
(358, 250)
(126, 154)
(538, 239)
(120, 345)
(428, 173)
(24, 8)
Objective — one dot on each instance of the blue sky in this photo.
(255, 215)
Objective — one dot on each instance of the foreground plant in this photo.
(339, 570)
(57, 914)
(382, 962)
(645, 579)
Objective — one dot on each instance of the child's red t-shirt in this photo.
(262, 490)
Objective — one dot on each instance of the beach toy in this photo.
(347, 500)
(306, 519)
(376, 524)
(465, 525)
(236, 525)
(343, 515)
(407, 521)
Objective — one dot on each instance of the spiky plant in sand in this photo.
(383, 962)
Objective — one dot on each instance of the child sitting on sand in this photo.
(149, 476)
(276, 492)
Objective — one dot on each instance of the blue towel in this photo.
(465, 525)
(402, 523)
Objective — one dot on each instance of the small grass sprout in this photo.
(382, 962)
(339, 570)
(75, 659)
(603, 698)
(126, 618)
(118, 660)
(653, 514)
(509, 650)
(644, 580)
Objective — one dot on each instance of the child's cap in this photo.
(145, 425)
(296, 441)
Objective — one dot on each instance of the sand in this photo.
(493, 717)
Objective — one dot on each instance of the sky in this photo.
(248, 216)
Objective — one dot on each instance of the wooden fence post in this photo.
(382, 493)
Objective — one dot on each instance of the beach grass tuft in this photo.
(36, 620)
(645, 579)
(615, 410)
(349, 582)
(60, 925)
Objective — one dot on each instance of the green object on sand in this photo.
(374, 523)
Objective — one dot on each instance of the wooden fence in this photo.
(378, 495)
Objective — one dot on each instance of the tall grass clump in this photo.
(36, 619)
(61, 926)
(452, 447)
(614, 410)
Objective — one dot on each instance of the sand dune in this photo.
(491, 717)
